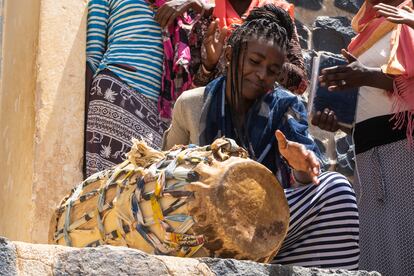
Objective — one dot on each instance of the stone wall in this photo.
(41, 111)
(17, 258)
(17, 120)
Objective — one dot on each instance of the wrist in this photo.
(208, 67)
(301, 178)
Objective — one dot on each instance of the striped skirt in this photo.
(324, 226)
(116, 114)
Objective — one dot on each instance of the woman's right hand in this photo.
(214, 45)
(396, 15)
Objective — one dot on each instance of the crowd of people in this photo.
(188, 71)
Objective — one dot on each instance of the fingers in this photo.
(335, 69)
(316, 118)
(387, 13)
(396, 20)
(212, 28)
(171, 19)
(330, 79)
(348, 56)
(223, 35)
(163, 15)
(326, 120)
(281, 140)
(166, 14)
(313, 166)
(407, 8)
(385, 7)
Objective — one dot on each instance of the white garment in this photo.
(374, 102)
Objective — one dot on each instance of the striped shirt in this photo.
(124, 32)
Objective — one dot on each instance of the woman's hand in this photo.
(299, 158)
(325, 120)
(168, 12)
(344, 76)
(396, 15)
(214, 45)
(355, 74)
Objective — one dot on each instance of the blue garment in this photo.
(279, 109)
(124, 37)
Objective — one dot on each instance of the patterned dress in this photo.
(125, 53)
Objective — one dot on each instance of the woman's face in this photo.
(262, 64)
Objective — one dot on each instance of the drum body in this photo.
(189, 201)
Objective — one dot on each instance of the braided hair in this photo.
(267, 23)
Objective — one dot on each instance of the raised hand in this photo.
(168, 12)
(396, 15)
(214, 45)
(298, 157)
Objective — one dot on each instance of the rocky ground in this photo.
(18, 258)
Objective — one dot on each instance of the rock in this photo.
(349, 5)
(308, 4)
(18, 258)
(331, 33)
(7, 257)
(303, 34)
(308, 56)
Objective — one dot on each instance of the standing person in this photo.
(272, 126)
(124, 72)
(221, 18)
(381, 65)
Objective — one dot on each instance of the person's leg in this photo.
(324, 225)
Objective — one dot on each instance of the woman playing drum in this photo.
(271, 124)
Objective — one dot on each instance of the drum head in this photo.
(244, 215)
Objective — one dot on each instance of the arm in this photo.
(297, 146)
(293, 75)
(177, 133)
(210, 52)
(98, 14)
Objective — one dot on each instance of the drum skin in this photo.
(207, 201)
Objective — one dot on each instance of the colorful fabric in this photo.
(323, 227)
(176, 76)
(123, 37)
(370, 28)
(277, 110)
(116, 114)
(228, 17)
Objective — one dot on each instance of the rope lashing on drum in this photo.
(170, 178)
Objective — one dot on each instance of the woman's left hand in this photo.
(168, 12)
(344, 76)
(298, 157)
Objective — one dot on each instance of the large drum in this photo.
(189, 201)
